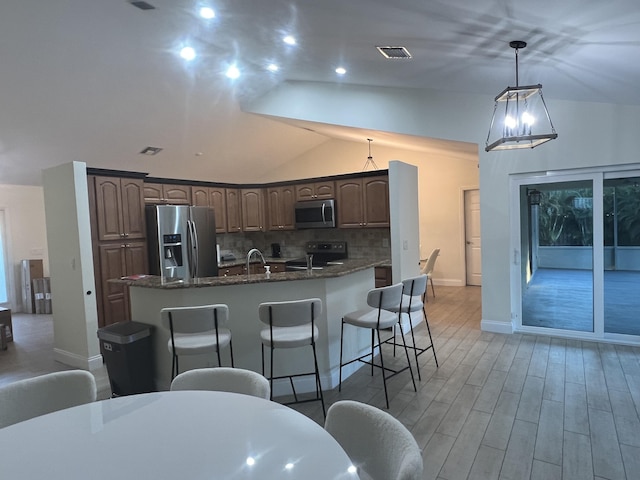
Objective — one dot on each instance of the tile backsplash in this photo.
(361, 243)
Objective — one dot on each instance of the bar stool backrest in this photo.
(291, 313)
(386, 298)
(415, 286)
(195, 319)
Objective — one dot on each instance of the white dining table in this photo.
(180, 435)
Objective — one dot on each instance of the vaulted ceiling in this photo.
(99, 80)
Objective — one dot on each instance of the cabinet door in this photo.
(273, 208)
(153, 193)
(133, 208)
(325, 189)
(200, 196)
(114, 297)
(109, 208)
(280, 214)
(177, 194)
(136, 258)
(252, 210)
(305, 191)
(349, 203)
(234, 219)
(287, 213)
(218, 200)
(376, 201)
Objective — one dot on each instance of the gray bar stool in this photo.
(384, 304)
(197, 330)
(291, 324)
(414, 291)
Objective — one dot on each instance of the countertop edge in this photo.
(334, 271)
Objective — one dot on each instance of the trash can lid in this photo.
(124, 332)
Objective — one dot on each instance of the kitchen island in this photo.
(342, 288)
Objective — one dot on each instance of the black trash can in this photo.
(126, 349)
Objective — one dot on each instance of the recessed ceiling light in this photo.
(233, 72)
(207, 12)
(150, 150)
(341, 70)
(272, 67)
(188, 53)
(289, 40)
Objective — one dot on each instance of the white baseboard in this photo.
(447, 282)
(495, 326)
(77, 361)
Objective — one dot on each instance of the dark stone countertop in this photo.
(349, 266)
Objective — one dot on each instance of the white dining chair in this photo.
(382, 313)
(32, 397)
(428, 269)
(377, 444)
(197, 330)
(223, 379)
(291, 324)
(413, 291)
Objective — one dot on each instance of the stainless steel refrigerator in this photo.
(182, 241)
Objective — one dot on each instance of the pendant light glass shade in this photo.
(520, 116)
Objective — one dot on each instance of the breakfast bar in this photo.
(342, 288)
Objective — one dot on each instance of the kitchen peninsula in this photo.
(342, 288)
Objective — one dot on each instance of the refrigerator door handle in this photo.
(193, 248)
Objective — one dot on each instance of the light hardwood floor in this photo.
(499, 407)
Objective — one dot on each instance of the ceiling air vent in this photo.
(394, 52)
(142, 5)
(151, 150)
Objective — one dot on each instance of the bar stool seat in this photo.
(288, 337)
(368, 318)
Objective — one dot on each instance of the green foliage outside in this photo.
(566, 216)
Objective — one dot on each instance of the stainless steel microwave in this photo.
(316, 214)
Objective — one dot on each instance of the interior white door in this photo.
(473, 244)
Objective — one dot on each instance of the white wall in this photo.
(75, 319)
(26, 233)
(443, 170)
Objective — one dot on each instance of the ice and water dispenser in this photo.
(173, 254)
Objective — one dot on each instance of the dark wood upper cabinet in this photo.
(167, 193)
(119, 208)
(252, 209)
(316, 190)
(216, 198)
(280, 212)
(234, 217)
(376, 201)
(363, 202)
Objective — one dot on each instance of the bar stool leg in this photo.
(415, 350)
(384, 377)
(318, 385)
(406, 352)
(341, 342)
(433, 347)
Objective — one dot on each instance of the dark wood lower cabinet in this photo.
(383, 276)
(118, 260)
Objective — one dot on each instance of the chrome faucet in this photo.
(249, 255)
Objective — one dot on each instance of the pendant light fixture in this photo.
(370, 158)
(520, 117)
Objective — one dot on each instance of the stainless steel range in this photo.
(324, 254)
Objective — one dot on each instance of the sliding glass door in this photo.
(579, 254)
(622, 254)
(557, 271)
